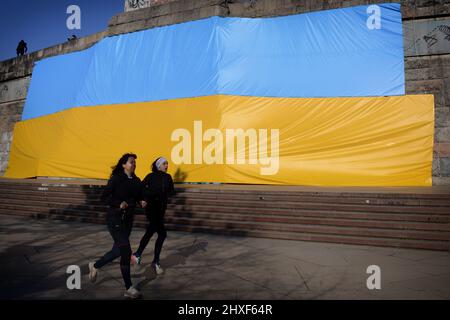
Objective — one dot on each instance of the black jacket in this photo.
(122, 188)
(157, 187)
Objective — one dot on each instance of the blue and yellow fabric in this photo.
(308, 99)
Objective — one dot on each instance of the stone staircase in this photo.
(395, 217)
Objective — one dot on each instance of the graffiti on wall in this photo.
(426, 37)
(131, 5)
(14, 90)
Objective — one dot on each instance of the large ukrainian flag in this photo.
(312, 99)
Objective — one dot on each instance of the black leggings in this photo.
(119, 226)
(155, 225)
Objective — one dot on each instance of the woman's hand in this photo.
(123, 205)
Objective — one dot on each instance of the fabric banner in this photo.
(363, 141)
(356, 51)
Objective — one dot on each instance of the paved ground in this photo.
(34, 255)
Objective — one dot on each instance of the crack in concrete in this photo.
(301, 276)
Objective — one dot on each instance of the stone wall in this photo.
(426, 37)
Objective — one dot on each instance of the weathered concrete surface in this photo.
(34, 256)
(167, 14)
(426, 36)
(12, 98)
(426, 67)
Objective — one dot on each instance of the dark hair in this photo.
(154, 168)
(118, 167)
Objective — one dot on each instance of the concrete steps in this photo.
(440, 223)
(398, 219)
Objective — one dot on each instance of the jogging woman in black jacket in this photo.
(123, 191)
(157, 188)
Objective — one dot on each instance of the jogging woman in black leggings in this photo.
(123, 191)
(157, 188)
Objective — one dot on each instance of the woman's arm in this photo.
(145, 190)
(107, 195)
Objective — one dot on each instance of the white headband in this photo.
(160, 161)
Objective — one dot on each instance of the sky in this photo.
(42, 23)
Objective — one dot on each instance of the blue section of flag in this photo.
(329, 53)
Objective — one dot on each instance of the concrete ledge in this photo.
(444, 189)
